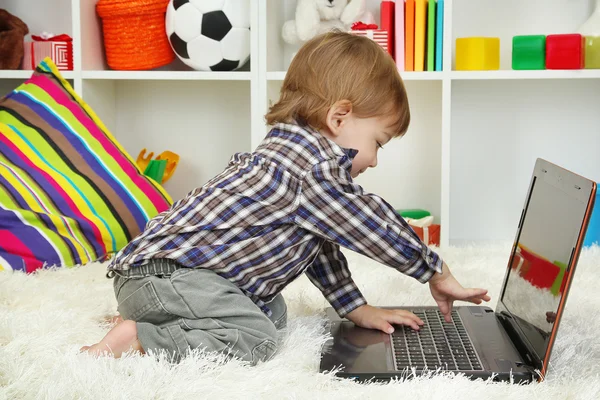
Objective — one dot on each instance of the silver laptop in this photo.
(514, 340)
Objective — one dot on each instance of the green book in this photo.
(431, 36)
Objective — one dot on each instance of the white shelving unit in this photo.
(473, 139)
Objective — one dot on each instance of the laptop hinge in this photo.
(525, 351)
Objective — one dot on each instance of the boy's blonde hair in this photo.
(338, 66)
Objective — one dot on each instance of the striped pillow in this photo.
(69, 193)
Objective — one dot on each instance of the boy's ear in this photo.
(337, 116)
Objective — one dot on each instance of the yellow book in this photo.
(420, 26)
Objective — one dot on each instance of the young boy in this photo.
(209, 271)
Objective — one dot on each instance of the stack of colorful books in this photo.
(415, 32)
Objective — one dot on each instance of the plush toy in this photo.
(12, 33)
(314, 17)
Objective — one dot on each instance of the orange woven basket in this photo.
(134, 33)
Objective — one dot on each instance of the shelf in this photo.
(407, 76)
(26, 74)
(538, 74)
(421, 76)
(169, 75)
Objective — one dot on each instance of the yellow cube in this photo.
(477, 53)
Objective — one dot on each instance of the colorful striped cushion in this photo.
(69, 193)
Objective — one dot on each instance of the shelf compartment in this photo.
(94, 58)
(279, 53)
(52, 16)
(508, 18)
(186, 117)
(499, 129)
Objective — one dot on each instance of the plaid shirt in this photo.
(278, 212)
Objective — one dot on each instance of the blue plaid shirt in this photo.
(281, 211)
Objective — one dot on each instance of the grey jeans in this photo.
(196, 308)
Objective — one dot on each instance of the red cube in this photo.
(565, 51)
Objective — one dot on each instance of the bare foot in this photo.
(121, 338)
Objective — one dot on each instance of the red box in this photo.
(58, 48)
(373, 32)
(565, 51)
(430, 235)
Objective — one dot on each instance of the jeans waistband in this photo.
(159, 266)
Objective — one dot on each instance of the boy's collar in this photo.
(351, 153)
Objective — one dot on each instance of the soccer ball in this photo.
(210, 35)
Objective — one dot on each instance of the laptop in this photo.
(512, 342)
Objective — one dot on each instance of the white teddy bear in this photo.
(314, 17)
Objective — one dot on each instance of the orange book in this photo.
(420, 25)
(409, 36)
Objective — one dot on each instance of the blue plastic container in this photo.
(593, 231)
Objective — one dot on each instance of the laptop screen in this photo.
(535, 284)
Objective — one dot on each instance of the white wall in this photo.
(205, 122)
(408, 174)
(42, 15)
(499, 128)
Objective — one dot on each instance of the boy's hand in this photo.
(370, 317)
(445, 289)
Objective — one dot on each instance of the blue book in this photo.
(593, 231)
(439, 34)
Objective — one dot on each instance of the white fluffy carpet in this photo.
(45, 318)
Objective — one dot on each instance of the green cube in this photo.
(529, 52)
(592, 52)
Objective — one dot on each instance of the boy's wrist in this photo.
(356, 315)
(437, 277)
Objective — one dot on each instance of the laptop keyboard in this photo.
(438, 344)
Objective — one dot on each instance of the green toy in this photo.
(156, 170)
(529, 52)
(414, 213)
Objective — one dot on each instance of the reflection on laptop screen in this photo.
(534, 288)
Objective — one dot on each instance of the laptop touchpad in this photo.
(360, 349)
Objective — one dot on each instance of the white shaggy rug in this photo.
(45, 318)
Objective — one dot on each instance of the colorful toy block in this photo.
(529, 52)
(592, 52)
(565, 51)
(477, 53)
